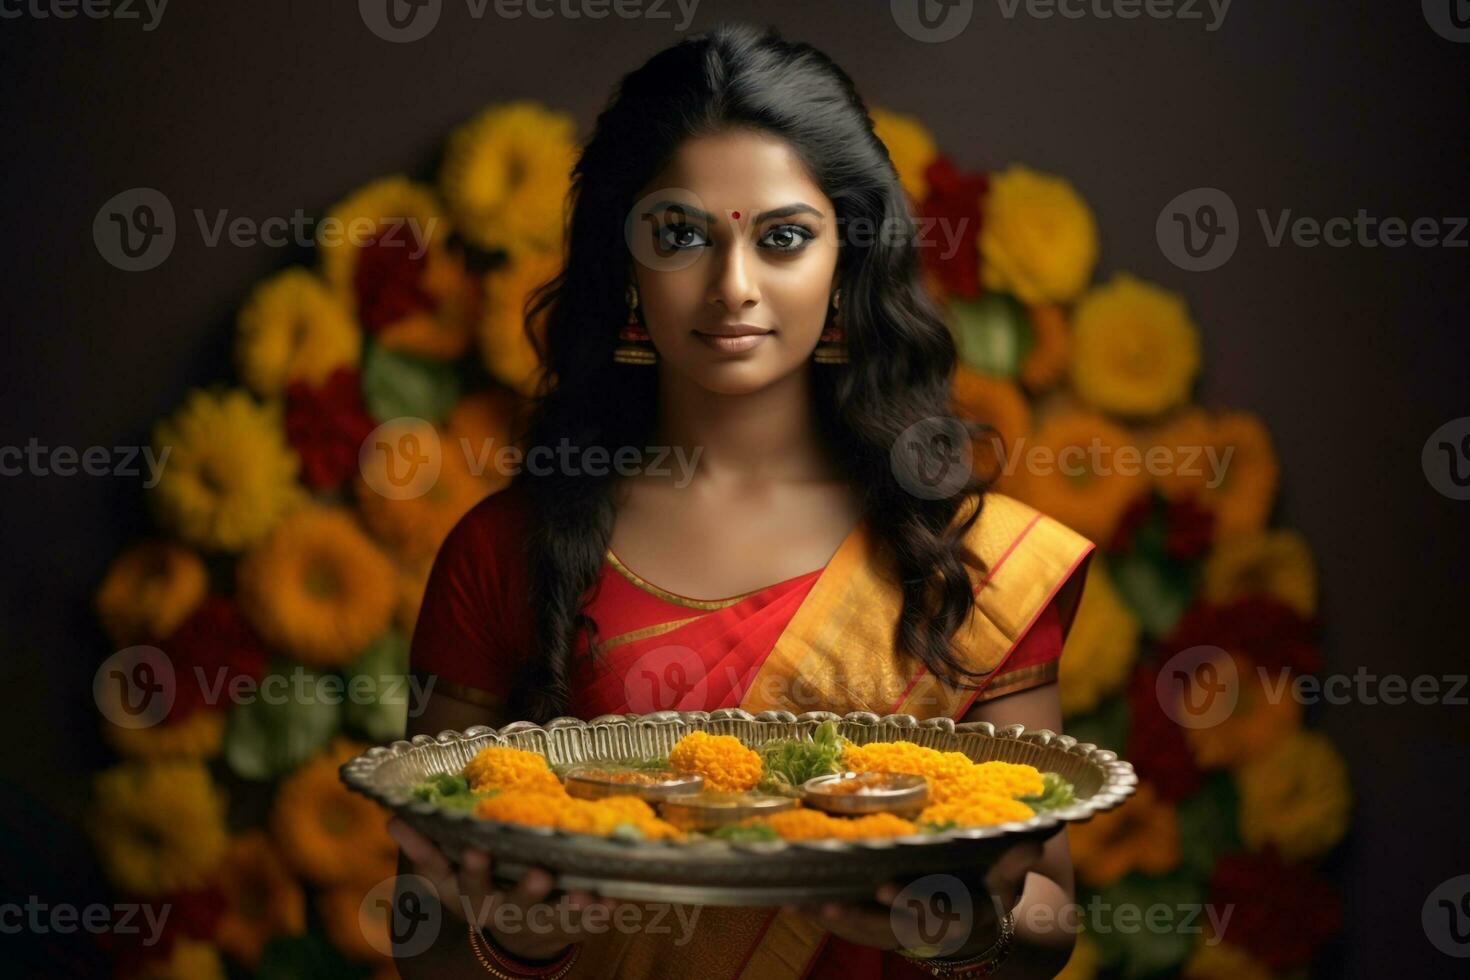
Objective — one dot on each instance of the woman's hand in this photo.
(884, 925)
(466, 893)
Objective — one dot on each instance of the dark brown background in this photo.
(1353, 356)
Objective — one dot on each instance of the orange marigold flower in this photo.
(1083, 471)
(413, 528)
(1051, 349)
(198, 735)
(1005, 779)
(977, 809)
(804, 824)
(1227, 463)
(326, 832)
(149, 590)
(503, 767)
(1258, 722)
(359, 931)
(725, 763)
(907, 757)
(262, 898)
(1142, 835)
(995, 402)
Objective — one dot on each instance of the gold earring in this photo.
(634, 344)
(832, 345)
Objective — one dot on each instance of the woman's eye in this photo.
(678, 237)
(787, 238)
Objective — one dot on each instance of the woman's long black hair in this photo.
(901, 352)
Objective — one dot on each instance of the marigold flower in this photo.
(327, 833)
(198, 735)
(802, 823)
(910, 146)
(1039, 241)
(725, 763)
(262, 898)
(413, 528)
(1218, 960)
(360, 937)
(229, 475)
(188, 959)
(919, 760)
(1099, 651)
(1073, 473)
(504, 767)
(977, 809)
(1051, 348)
(318, 587)
(159, 827)
(1295, 796)
(148, 591)
(953, 206)
(1135, 350)
(506, 350)
(1227, 462)
(997, 403)
(1276, 563)
(506, 176)
(294, 328)
(1259, 721)
(1140, 835)
(326, 425)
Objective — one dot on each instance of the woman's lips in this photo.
(732, 343)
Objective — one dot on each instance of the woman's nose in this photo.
(734, 284)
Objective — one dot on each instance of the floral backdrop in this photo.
(282, 554)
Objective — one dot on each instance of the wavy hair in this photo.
(901, 352)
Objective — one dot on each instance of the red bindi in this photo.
(735, 215)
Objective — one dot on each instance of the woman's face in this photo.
(734, 252)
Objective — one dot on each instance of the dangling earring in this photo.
(832, 345)
(634, 345)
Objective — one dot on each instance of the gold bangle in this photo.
(495, 964)
(981, 964)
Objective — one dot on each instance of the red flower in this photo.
(191, 914)
(1280, 912)
(1134, 517)
(1156, 744)
(208, 651)
(326, 427)
(387, 281)
(952, 210)
(1271, 633)
(1189, 529)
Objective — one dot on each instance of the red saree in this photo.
(819, 641)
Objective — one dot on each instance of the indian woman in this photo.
(745, 498)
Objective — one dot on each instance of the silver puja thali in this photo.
(720, 872)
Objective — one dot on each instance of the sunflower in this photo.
(1295, 796)
(149, 590)
(1276, 563)
(506, 176)
(1141, 835)
(1227, 462)
(504, 347)
(262, 899)
(1100, 649)
(318, 587)
(1045, 362)
(197, 735)
(413, 528)
(994, 402)
(229, 475)
(1259, 721)
(293, 328)
(159, 827)
(1135, 350)
(1039, 240)
(1081, 472)
(910, 146)
(401, 280)
(328, 834)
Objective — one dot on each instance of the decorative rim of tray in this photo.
(1118, 781)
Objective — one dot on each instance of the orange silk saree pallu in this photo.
(821, 641)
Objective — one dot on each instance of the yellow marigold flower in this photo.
(998, 403)
(1135, 350)
(1239, 485)
(726, 765)
(1051, 348)
(506, 176)
(262, 899)
(531, 809)
(149, 590)
(1081, 470)
(805, 824)
(1258, 722)
(1295, 796)
(229, 475)
(198, 735)
(413, 528)
(293, 328)
(1083, 963)
(910, 146)
(1276, 563)
(394, 206)
(1039, 239)
(317, 587)
(1224, 961)
(484, 423)
(188, 959)
(327, 833)
(907, 757)
(159, 827)
(977, 810)
(358, 937)
(507, 352)
(1099, 651)
(504, 767)
(1141, 835)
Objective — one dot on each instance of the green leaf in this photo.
(395, 385)
(992, 333)
(1055, 793)
(287, 721)
(789, 762)
(1207, 826)
(377, 705)
(308, 957)
(736, 832)
(1157, 589)
(1106, 727)
(1146, 925)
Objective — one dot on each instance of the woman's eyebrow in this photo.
(800, 207)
